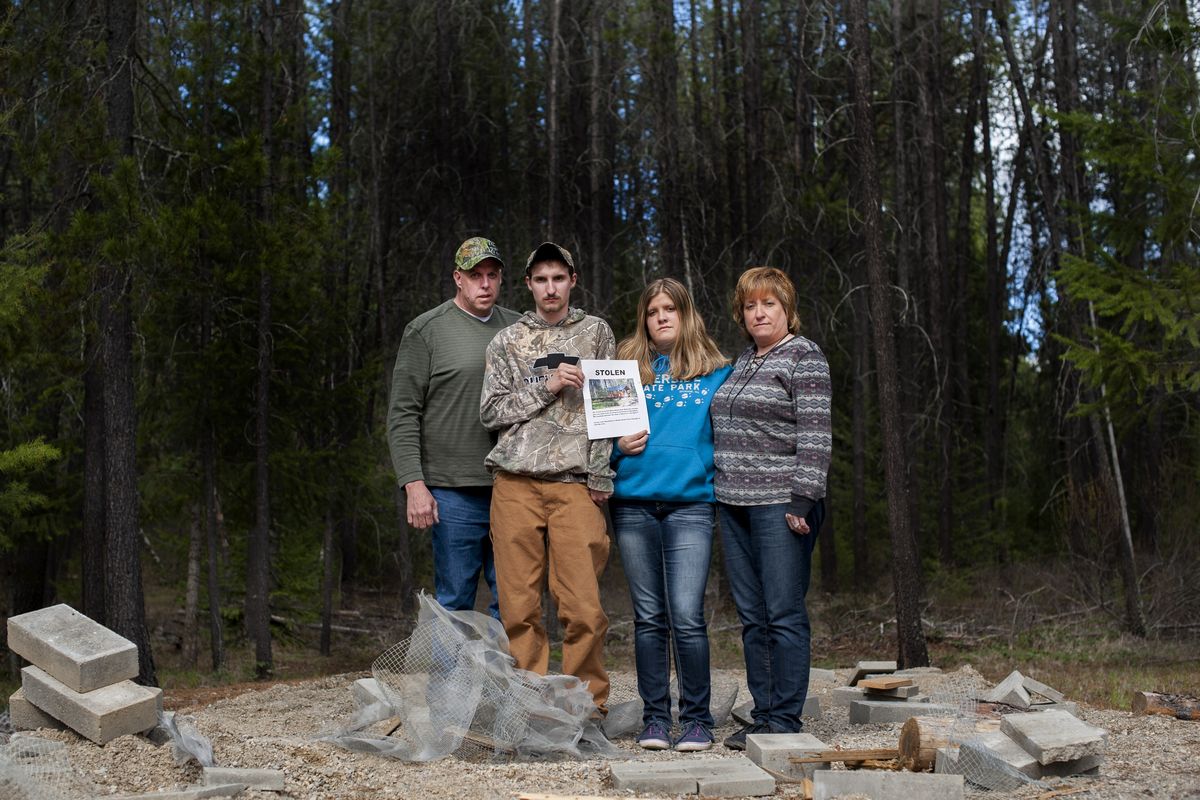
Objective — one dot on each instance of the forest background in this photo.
(217, 216)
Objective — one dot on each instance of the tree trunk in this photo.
(258, 551)
(125, 611)
(191, 594)
(552, 100)
(754, 114)
(906, 576)
(862, 371)
(212, 542)
(327, 584)
(94, 545)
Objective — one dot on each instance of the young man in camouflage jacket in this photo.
(550, 480)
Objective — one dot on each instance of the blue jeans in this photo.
(665, 549)
(768, 567)
(462, 547)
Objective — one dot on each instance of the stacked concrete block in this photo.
(774, 751)
(80, 674)
(1033, 745)
(1010, 691)
(708, 777)
(864, 669)
(26, 716)
(871, 712)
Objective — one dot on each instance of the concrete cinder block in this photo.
(730, 777)
(1051, 736)
(880, 785)
(78, 652)
(812, 710)
(818, 675)
(1069, 706)
(101, 714)
(188, 793)
(657, 776)
(25, 716)
(864, 712)
(1010, 691)
(262, 780)
(773, 751)
(864, 668)
(710, 777)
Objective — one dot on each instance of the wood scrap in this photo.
(1179, 706)
(885, 683)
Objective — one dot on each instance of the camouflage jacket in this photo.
(544, 435)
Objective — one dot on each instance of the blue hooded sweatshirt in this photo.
(677, 464)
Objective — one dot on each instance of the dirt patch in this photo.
(275, 727)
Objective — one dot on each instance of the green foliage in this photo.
(16, 496)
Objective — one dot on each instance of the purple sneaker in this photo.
(655, 736)
(695, 737)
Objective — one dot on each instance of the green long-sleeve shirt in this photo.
(434, 431)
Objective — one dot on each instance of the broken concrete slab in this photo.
(773, 750)
(1010, 691)
(1051, 736)
(918, 671)
(946, 760)
(1039, 688)
(101, 714)
(864, 668)
(863, 712)
(25, 716)
(262, 780)
(880, 785)
(812, 710)
(75, 650)
(710, 777)
(188, 793)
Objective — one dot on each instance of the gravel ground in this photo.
(275, 728)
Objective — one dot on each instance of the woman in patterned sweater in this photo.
(773, 440)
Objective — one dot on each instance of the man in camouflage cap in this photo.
(550, 479)
(436, 439)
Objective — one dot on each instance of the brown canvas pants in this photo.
(542, 525)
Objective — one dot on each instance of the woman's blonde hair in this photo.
(762, 281)
(694, 352)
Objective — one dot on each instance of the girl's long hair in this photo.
(694, 353)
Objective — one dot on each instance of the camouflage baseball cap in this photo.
(549, 251)
(474, 250)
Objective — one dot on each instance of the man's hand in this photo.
(634, 443)
(422, 508)
(797, 524)
(563, 376)
(599, 498)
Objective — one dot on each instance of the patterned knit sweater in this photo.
(772, 430)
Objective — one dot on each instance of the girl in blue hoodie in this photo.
(662, 510)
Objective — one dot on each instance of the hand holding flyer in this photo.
(613, 400)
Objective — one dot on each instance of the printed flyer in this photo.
(613, 400)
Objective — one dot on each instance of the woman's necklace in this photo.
(756, 362)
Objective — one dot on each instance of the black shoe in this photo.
(737, 739)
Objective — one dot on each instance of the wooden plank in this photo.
(876, 754)
(883, 684)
